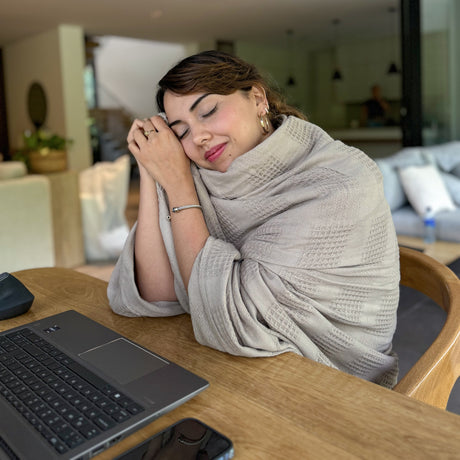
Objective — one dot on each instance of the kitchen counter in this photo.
(383, 134)
(375, 142)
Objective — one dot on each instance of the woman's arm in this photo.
(161, 158)
(153, 274)
(154, 277)
(188, 226)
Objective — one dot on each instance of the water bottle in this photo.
(430, 226)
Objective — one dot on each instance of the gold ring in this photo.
(147, 133)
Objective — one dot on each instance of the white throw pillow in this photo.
(425, 188)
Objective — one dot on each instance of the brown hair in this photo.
(221, 73)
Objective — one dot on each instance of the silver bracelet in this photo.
(181, 208)
(188, 206)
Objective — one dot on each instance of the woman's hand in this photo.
(157, 149)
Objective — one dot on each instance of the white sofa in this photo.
(417, 177)
(26, 230)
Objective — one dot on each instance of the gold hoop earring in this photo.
(265, 122)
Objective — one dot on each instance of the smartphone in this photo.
(188, 439)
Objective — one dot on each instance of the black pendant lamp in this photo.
(337, 74)
(393, 68)
(290, 80)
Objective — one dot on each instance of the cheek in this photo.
(227, 119)
(189, 148)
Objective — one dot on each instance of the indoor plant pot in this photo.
(44, 152)
(42, 162)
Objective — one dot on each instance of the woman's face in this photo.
(213, 129)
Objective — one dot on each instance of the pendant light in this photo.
(393, 68)
(290, 80)
(337, 74)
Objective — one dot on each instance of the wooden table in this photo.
(443, 251)
(286, 407)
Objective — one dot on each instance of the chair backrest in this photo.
(432, 377)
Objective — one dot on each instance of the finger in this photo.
(137, 124)
(158, 123)
(140, 136)
(133, 148)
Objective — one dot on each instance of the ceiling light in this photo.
(290, 80)
(337, 75)
(393, 68)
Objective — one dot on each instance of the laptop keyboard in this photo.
(65, 402)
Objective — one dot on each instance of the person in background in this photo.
(272, 236)
(375, 110)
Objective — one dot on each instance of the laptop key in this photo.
(87, 375)
(134, 408)
(104, 422)
(89, 430)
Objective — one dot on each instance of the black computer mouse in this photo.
(15, 298)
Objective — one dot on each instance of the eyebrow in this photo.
(191, 109)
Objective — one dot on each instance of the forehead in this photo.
(174, 102)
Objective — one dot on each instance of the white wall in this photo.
(128, 71)
(54, 59)
(29, 60)
(72, 54)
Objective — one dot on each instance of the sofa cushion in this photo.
(12, 169)
(448, 225)
(392, 187)
(425, 188)
(453, 186)
(447, 155)
(456, 171)
(409, 156)
(408, 222)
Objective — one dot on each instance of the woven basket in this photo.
(52, 161)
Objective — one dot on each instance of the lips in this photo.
(214, 153)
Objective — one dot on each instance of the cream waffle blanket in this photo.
(302, 257)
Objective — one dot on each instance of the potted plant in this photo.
(44, 152)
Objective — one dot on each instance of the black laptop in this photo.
(70, 388)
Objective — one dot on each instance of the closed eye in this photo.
(210, 112)
(180, 137)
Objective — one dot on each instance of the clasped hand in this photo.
(157, 149)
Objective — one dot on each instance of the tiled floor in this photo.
(418, 323)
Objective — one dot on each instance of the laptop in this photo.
(70, 388)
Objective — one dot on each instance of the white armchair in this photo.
(26, 228)
(103, 197)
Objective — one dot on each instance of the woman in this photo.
(274, 237)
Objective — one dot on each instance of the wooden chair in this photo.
(432, 377)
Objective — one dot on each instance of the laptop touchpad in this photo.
(123, 360)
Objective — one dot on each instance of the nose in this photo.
(200, 135)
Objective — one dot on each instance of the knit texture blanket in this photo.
(302, 257)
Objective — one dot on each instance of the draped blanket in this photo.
(302, 257)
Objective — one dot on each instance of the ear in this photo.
(260, 97)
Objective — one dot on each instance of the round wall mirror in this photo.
(36, 104)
